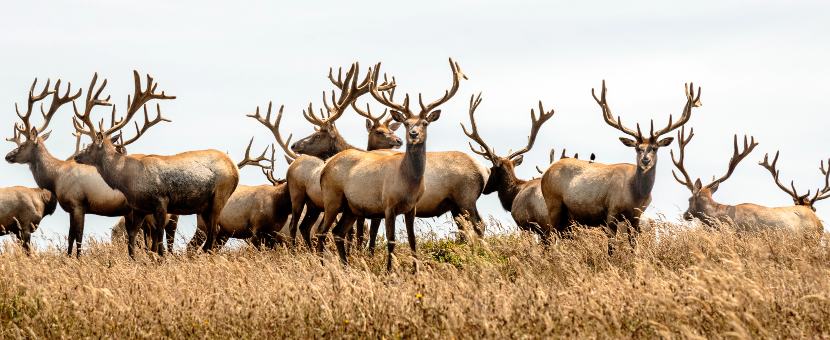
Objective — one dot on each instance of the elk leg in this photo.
(76, 221)
(612, 225)
(409, 218)
(298, 202)
(170, 232)
(341, 230)
(360, 230)
(390, 237)
(373, 235)
(199, 236)
(462, 231)
(311, 215)
(132, 222)
(158, 230)
(328, 219)
(212, 222)
(78, 217)
(25, 235)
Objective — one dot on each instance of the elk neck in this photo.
(643, 182)
(340, 144)
(414, 162)
(509, 188)
(118, 170)
(45, 168)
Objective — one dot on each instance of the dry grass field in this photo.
(680, 282)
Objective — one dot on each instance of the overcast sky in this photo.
(762, 66)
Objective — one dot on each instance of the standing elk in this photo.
(381, 184)
(307, 156)
(78, 188)
(523, 199)
(22, 209)
(613, 195)
(803, 213)
(252, 212)
(194, 182)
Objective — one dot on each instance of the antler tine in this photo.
(147, 125)
(737, 157)
(457, 75)
(253, 161)
(138, 100)
(92, 100)
(678, 162)
(57, 102)
(823, 192)
(535, 125)
(269, 171)
(692, 100)
(772, 169)
(15, 136)
(377, 91)
(368, 113)
(485, 151)
(312, 118)
(609, 117)
(350, 90)
(26, 126)
(275, 129)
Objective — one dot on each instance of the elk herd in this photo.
(332, 185)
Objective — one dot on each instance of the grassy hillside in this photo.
(678, 282)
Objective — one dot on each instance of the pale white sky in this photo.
(762, 66)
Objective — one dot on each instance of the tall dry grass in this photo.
(679, 282)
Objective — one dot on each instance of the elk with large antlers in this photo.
(22, 209)
(613, 195)
(194, 182)
(252, 212)
(79, 189)
(378, 184)
(523, 199)
(307, 156)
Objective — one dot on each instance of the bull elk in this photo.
(307, 156)
(78, 188)
(22, 209)
(614, 195)
(194, 182)
(523, 199)
(376, 184)
(253, 212)
(803, 212)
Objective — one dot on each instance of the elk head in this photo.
(701, 200)
(106, 141)
(27, 137)
(415, 124)
(805, 199)
(647, 146)
(326, 140)
(381, 132)
(503, 170)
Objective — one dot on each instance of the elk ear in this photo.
(114, 139)
(45, 136)
(99, 139)
(518, 160)
(665, 141)
(33, 135)
(369, 125)
(394, 126)
(398, 116)
(433, 116)
(698, 185)
(628, 142)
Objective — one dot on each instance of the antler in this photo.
(737, 157)
(692, 100)
(92, 100)
(552, 158)
(457, 75)
(682, 140)
(376, 89)
(252, 161)
(535, 125)
(138, 100)
(775, 172)
(275, 130)
(349, 91)
(485, 151)
(825, 192)
(57, 101)
(368, 114)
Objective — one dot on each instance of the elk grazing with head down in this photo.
(255, 212)
(22, 209)
(194, 182)
(307, 156)
(523, 199)
(384, 184)
(613, 195)
(78, 188)
(803, 213)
